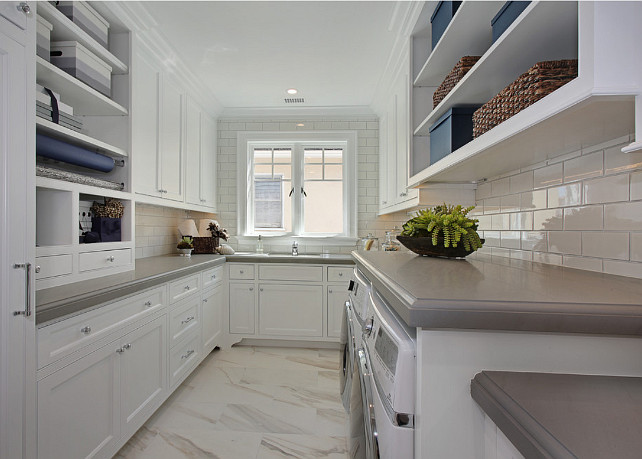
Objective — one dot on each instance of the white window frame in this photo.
(247, 141)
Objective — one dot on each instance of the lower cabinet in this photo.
(291, 310)
(242, 304)
(85, 407)
(337, 295)
(212, 318)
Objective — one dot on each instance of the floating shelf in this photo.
(65, 30)
(46, 182)
(562, 122)
(468, 34)
(85, 99)
(543, 31)
(63, 133)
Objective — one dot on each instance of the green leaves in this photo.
(447, 223)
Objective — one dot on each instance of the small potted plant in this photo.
(218, 232)
(185, 246)
(444, 231)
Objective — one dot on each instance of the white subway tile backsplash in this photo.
(606, 245)
(509, 203)
(521, 182)
(534, 240)
(623, 268)
(548, 176)
(565, 242)
(563, 196)
(500, 222)
(483, 191)
(521, 221)
(533, 200)
(583, 167)
(636, 186)
(583, 218)
(608, 189)
(500, 187)
(510, 239)
(615, 161)
(484, 222)
(636, 247)
(623, 216)
(493, 238)
(587, 264)
(549, 219)
(548, 258)
(491, 205)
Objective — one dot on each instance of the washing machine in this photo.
(387, 366)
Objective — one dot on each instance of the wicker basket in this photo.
(204, 245)
(454, 77)
(540, 80)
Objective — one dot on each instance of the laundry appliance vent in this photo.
(294, 100)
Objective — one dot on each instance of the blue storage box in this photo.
(505, 17)
(440, 19)
(452, 131)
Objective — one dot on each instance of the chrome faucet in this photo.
(295, 248)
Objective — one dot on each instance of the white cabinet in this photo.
(212, 318)
(85, 408)
(291, 310)
(171, 130)
(242, 305)
(337, 295)
(200, 157)
(17, 234)
(208, 161)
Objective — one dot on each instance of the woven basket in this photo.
(454, 77)
(540, 80)
(204, 245)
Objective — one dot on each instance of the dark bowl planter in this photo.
(423, 246)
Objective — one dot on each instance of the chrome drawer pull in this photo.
(188, 320)
(187, 287)
(148, 303)
(213, 276)
(204, 300)
(111, 259)
(85, 330)
(190, 352)
(120, 350)
(27, 310)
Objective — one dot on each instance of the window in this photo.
(297, 184)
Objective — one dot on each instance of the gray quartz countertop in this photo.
(497, 293)
(57, 302)
(564, 416)
(330, 258)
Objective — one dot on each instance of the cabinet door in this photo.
(171, 130)
(337, 296)
(192, 153)
(79, 409)
(146, 79)
(211, 317)
(391, 155)
(143, 373)
(383, 161)
(291, 310)
(242, 301)
(403, 132)
(208, 161)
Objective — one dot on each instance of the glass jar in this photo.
(391, 244)
(368, 243)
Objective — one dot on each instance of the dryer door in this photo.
(369, 419)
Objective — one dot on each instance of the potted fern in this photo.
(185, 246)
(444, 231)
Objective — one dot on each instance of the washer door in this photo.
(367, 398)
(346, 363)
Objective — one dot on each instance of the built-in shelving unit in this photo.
(69, 135)
(598, 105)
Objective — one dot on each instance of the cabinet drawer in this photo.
(291, 273)
(67, 336)
(212, 277)
(56, 265)
(183, 358)
(104, 259)
(339, 274)
(184, 287)
(183, 318)
(241, 272)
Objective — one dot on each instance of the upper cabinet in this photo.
(596, 106)
(200, 157)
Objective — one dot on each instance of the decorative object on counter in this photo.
(539, 81)
(391, 244)
(43, 31)
(368, 243)
(79, 62)
(506, 16)
(87, 18)
(444, 231)
(451, 131)
(203, 245)
(106, 220)
(259, 245)
(185, 246)
(187, 228)
(225, 249)
(42, 171)
(55, 149)
(217, 231)
(441, 17)
(456, 74)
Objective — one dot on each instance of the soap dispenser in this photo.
(259, 245)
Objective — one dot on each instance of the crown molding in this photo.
(299, 113)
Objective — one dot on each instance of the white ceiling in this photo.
(249, 53)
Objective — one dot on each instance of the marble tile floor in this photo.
(250, 403)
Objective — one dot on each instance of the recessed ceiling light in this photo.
(292, 91)
(300, 125)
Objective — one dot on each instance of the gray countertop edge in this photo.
(334, 259)
(545, 317)
(529, 436)
(57, 310)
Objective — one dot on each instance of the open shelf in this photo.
(562, 122)
(468, 34)
(46, 182)
(544, 31)
(55, 130)
(85, 99)
(65, 30)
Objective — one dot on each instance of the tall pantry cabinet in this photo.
(17, 234)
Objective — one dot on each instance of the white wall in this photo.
(582, 210)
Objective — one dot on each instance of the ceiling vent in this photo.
(294, 100)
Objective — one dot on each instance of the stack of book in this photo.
(45, 110)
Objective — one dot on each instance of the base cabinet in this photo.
(291, 310)
(242, 304)
(337, 295)
(212, 318)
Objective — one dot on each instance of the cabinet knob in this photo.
(148, 303)
(187, 287)
(384, 202)
(111, 259)
(37, 269)
(261, 289)
(120, 350)
(213, 276)
(25, 8)
(85, 330)
(241, 271)
(330, 291)
(204, 300)
(127, 346)
(251, 289)
(340, 274)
